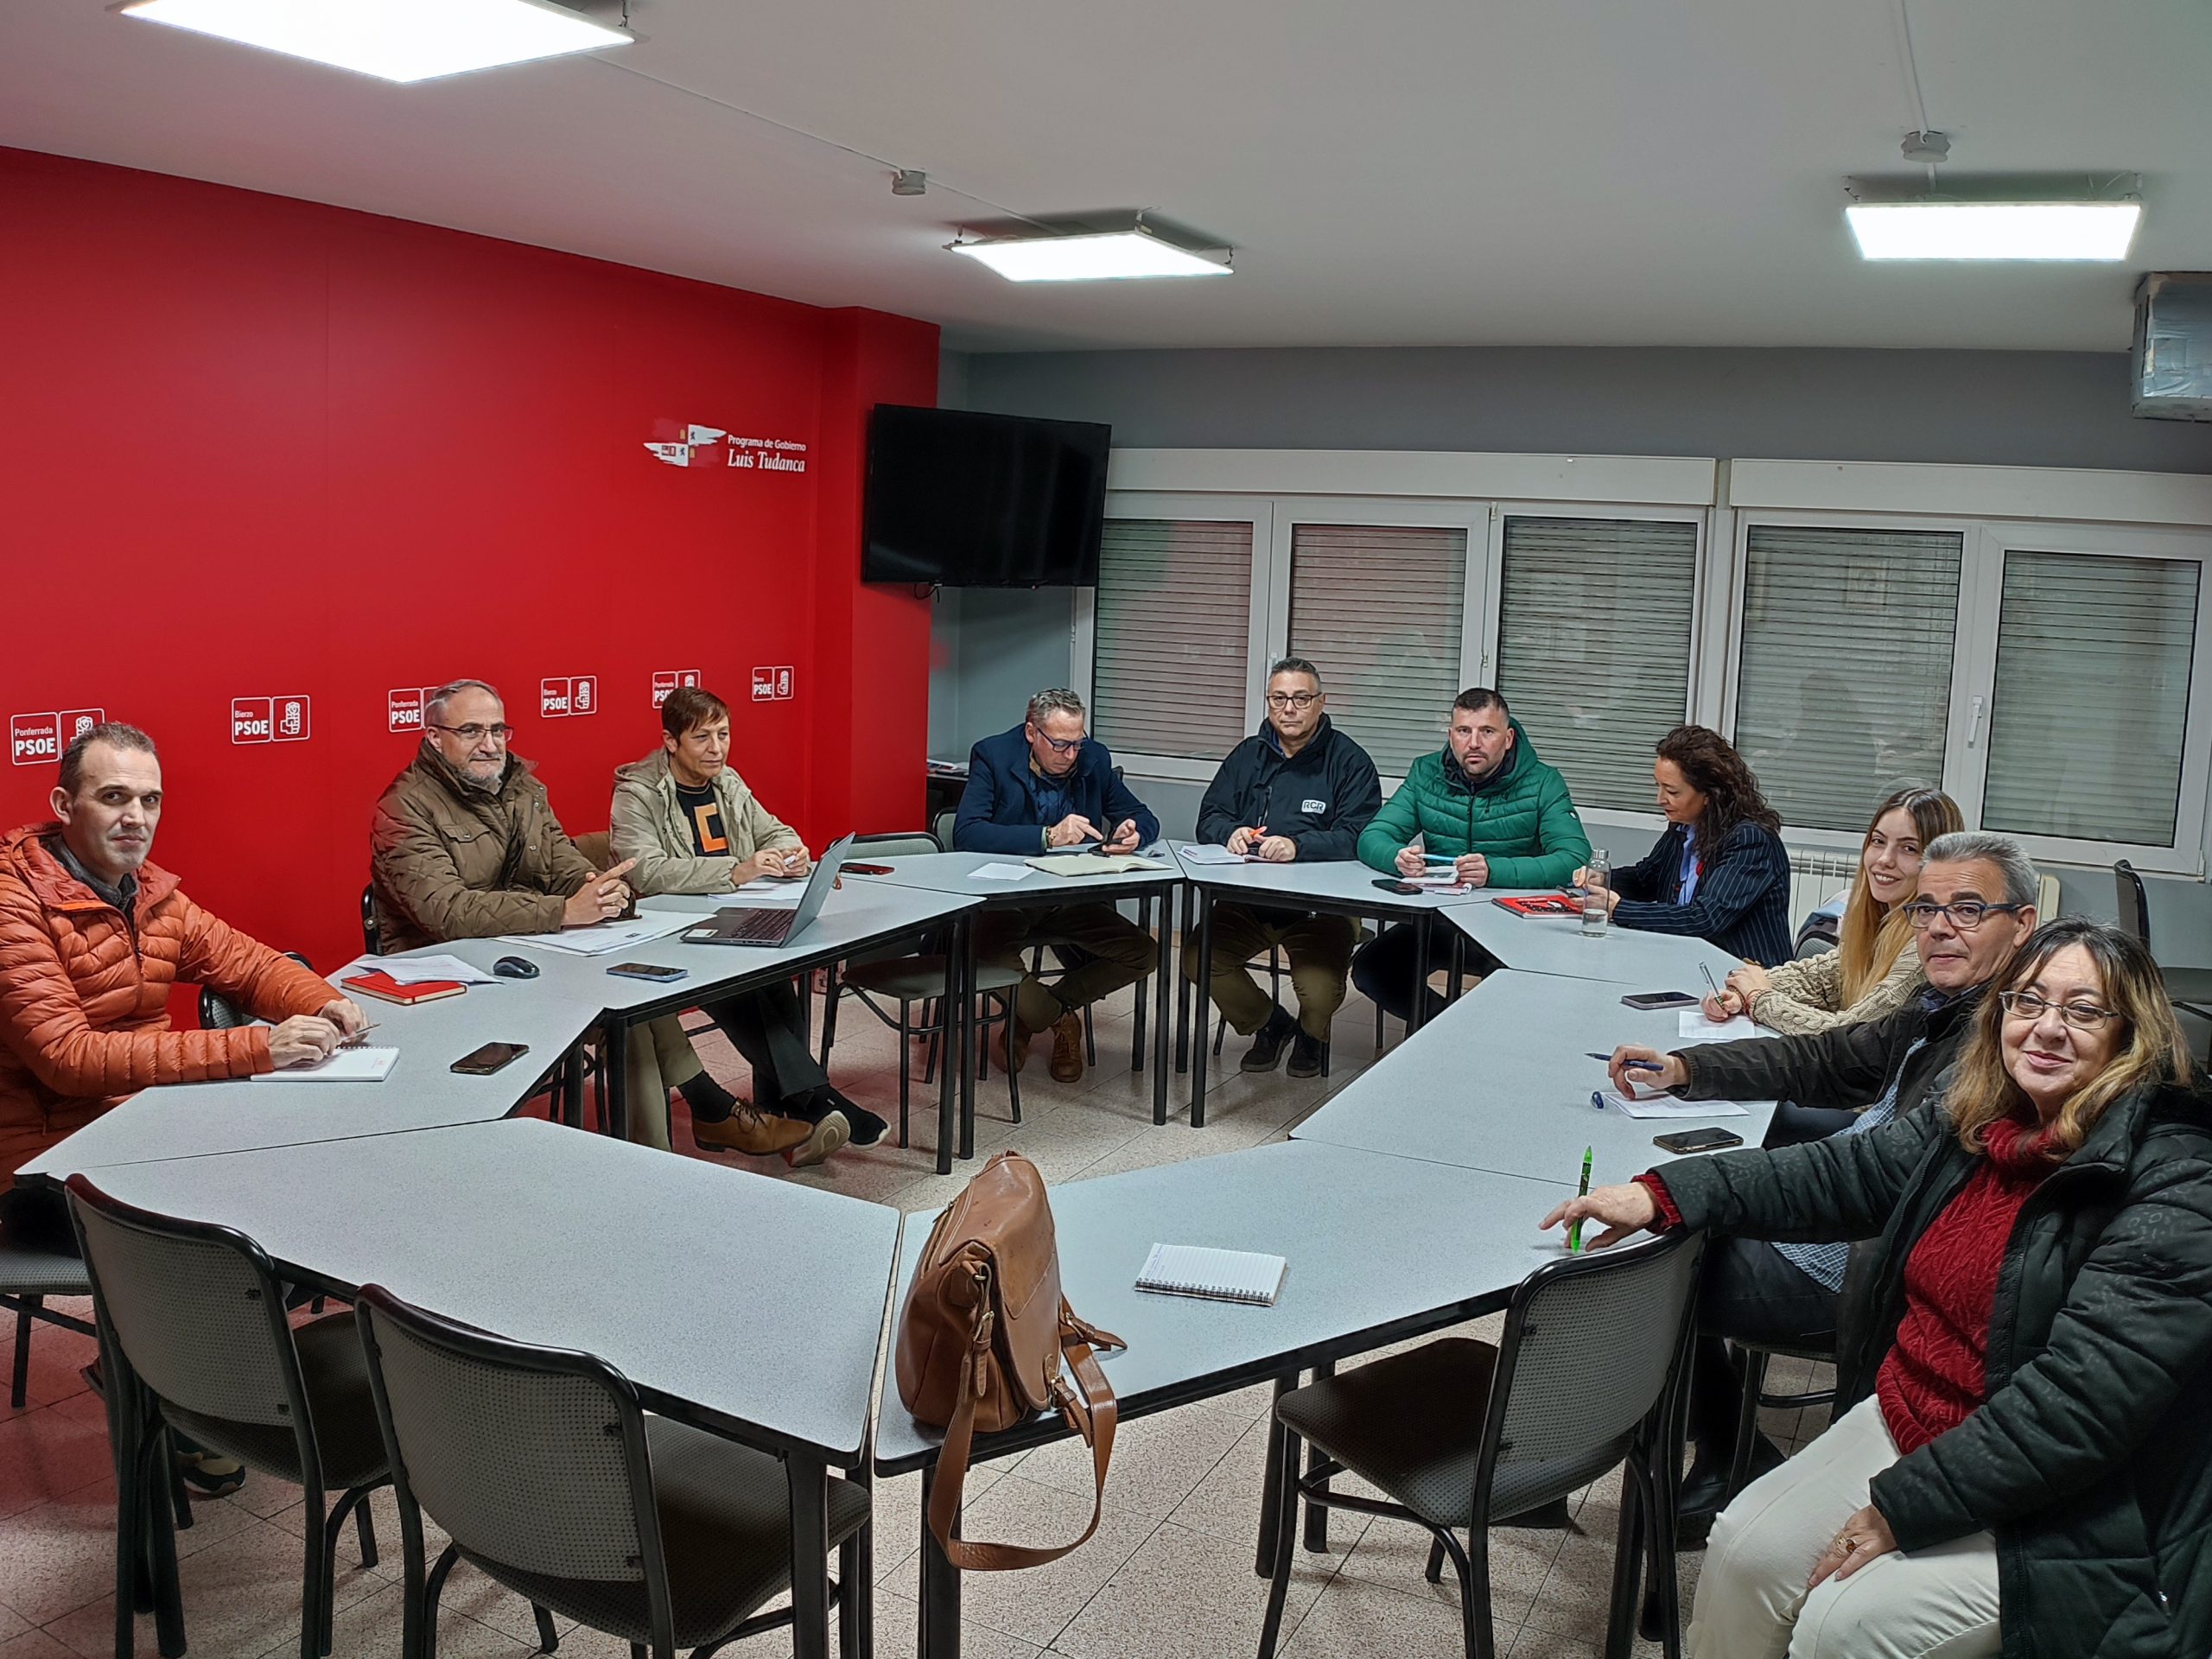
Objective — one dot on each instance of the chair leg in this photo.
(1474, 1596)
(1747, 1418)
(1434, 1572)
(314, 1581)
(1089, 1040)
(548, 1639)
(1013, 1078)
(21, 1380)
(169, 1609)
(433, 1588)
(365, 1527)
(905, 1069)
(1285, 1534)
(830, 1015)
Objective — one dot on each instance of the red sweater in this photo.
(1932, 1380)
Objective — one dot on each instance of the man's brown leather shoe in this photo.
(1013, 1046)
(749, 1130)
(1067, 1048)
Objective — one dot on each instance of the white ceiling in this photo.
(1584, 172)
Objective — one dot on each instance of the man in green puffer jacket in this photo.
(1488, 803)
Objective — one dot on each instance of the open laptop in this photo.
(758, 924)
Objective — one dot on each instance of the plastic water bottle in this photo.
(1594, 913)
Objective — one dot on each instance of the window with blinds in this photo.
(2090, 704)
(1170, 655)
(1843, 690)
(1377, 608)
(1593, 646)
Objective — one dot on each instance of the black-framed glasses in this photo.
(472, 733)
(1966, 915)
(2082, 1016)
(1300, 700)
(1063, 744)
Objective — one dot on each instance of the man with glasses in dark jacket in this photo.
(1976, 903)
(1297, 789)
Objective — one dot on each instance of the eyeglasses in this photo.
(1966, 915)
(1062, 745)
(2082, 1016)
(472, 733)
(1292, 699)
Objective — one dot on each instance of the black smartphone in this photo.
(1391, 884)
(489, 1059)
(865, 869)
(648, 970)
(1649, 1000)
(1705, 1140)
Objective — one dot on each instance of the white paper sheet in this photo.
(344, 1065)
(1666, 1105)
(1213, 856)
(1696, 1028)
(415, 970)
(597, 941)
(1000, 873)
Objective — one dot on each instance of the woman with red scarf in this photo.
(2022, 1459)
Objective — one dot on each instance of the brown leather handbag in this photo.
(981, 1342)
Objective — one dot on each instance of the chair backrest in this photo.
(1592, 1345)
(371, 935)
(597, 849)
(942, 830)
(896, 844)
(532, 1460)
(2134, 903)
(219, 1012)
(195, 1310)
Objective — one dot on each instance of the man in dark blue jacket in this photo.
(1296, 789)
(1041, 786)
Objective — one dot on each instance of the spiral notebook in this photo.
(1217, 1276)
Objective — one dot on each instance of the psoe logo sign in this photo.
(270, 720)
(573, 694)
(665, 680)
(38, 740)
(403, 707)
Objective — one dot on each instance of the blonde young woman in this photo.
(1873, 970)
(2021, 1463)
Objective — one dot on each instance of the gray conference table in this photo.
(1501, 1081)
(1544, 944)
(1338, 886)
(484, 1223)
(955, 873)
(855, 918)
(191, 1120)
(1459, 1242)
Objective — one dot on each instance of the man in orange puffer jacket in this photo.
(92, 937)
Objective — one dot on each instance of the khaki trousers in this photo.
(1121, 954)
(1752, 1601)
(1319, 949)
(656, 1058)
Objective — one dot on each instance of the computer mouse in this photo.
(515, 968)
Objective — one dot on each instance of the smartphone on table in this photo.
(1705, 1140)
(489, 1059)
(653, 972)
(865, 869)
(1647, 1001)
(1391, 884)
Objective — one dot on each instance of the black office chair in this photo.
(2188, 989)
(27, 1277)
(193, 1336)
(372, 932)
(1458, 1433)
(547, 1475)
(219, 1012)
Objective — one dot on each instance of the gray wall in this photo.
(2026, 409)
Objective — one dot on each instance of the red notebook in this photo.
(383, 986)
(1542, 904)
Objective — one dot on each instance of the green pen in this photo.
(1582, 1191)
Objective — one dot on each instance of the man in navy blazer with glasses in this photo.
(1046, 784)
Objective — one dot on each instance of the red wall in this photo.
(255, 448)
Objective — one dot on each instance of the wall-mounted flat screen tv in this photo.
(968, 500)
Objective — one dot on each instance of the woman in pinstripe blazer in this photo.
(1720, 872)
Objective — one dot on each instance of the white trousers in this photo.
(1752, 1601)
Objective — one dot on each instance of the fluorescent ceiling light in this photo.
(1993, 230)
(1078, 258)
(397, 39)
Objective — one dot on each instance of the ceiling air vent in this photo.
(2173, 346)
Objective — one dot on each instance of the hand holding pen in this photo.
(1652, 1069)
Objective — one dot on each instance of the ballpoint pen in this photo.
(1709, 984)
(1574, 1227)
(354, 1041)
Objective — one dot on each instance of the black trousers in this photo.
(768, 1027)
(1750, 1293)
(1388, 974)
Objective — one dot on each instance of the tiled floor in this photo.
(1169, 1576)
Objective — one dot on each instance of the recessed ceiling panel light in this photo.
(396, 40)
(1048, 257)
(1993, 230)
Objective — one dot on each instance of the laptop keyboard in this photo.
(761, 925)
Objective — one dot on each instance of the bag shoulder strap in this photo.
(1093, 1417)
